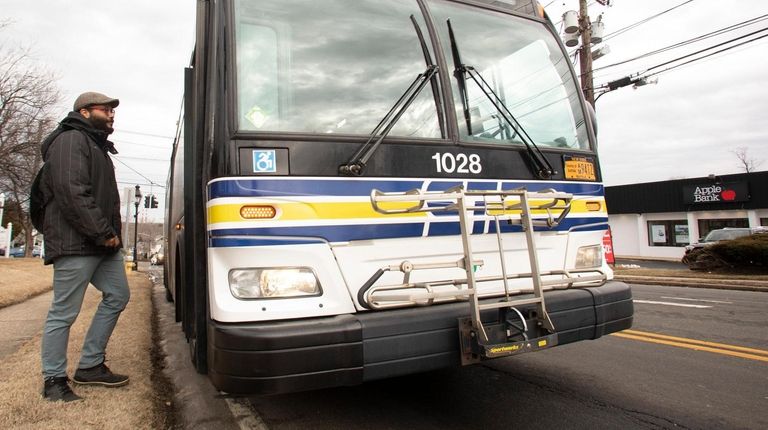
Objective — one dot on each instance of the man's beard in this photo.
(101, 123)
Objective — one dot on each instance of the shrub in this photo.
(750, 253)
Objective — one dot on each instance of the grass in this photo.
(22, 278)
(131, 351)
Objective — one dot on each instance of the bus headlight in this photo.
(589, 256)
(262, 283)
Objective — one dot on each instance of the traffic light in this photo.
(146, 202)
(153, 202)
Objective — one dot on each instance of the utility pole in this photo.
(2, 207)
(136, 202)
(585, 53)
(128, 197)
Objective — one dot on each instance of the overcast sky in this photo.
(686, 125)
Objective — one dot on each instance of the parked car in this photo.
(157, 257)
(721, 234)
(18, 251)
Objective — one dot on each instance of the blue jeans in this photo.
(71, 276)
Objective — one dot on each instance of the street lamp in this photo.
(136, 203)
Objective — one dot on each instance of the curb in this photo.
(196, 402)
(739, 285)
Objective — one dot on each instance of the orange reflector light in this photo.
(593, 206)
(258, 212)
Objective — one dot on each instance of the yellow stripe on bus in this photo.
(309, 211)
(291, 211)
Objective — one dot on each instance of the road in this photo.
(637, 381)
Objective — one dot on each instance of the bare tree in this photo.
(745, 161)
(28, 95)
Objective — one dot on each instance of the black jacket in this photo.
(79, 182)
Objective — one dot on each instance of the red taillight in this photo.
(608, 247)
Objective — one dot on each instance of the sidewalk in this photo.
(22, 322)
(693, 282)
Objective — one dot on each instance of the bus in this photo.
(374, 188)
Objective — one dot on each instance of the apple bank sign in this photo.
(716, 193)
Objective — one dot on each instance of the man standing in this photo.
(82, 239)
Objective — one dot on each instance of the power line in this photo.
(707, 49)
(144, 184)
(151, 145)
(123, 157)
(640, 77)
(643, 21)
(145, 134)
(137, 172)
(689, 41)
(705, 56)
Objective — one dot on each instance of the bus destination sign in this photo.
(580, 168)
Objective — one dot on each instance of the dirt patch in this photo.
(131, 351)
(23, 278)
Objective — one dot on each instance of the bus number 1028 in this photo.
(457, 163)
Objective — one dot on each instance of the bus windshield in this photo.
(339, 66)
(329, 67)
(522, 62)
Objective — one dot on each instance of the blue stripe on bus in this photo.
(335, 233)
(452, 228)
(345, 233)
(302, 187)
(227, 242)
(579, 189)
(358, 187)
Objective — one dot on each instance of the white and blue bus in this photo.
(362, 189)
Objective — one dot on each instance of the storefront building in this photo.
(657, 219)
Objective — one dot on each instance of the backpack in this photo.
(37, 198)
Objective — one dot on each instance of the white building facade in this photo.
(657, 219)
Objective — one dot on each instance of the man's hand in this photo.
(112, 242)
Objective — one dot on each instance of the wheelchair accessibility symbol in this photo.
(264, 161)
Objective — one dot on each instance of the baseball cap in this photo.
(92, 98)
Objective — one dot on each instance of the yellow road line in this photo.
(698, 345)
(697, 342)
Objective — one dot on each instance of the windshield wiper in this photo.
(541, 165)
(357, 163)
(461, 78)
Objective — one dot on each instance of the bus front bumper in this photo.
(313, 353)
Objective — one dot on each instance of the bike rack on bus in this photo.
(515, 207)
